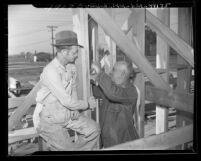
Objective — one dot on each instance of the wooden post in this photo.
(184, 76)
(111, 43)
(80, 26)
(15, 118)
(138, 32)
(162, 61)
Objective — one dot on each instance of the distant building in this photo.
(35, 58)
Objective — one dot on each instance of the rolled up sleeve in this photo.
(53, 81)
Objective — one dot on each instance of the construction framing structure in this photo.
(86, 23)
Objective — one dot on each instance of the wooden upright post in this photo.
(111, 43)
(80, 26)
(162, 61)
(138, 37)
(184, 76)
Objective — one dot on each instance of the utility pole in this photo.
(52, 29)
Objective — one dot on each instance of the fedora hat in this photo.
(66, 38)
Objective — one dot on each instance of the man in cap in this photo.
(58, 107)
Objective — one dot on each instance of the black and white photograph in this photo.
(100, 79)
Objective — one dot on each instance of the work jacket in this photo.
(116, 111)
(57, 96)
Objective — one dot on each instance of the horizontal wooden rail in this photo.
(181, 101)
(22, 134)
(159, 71)
(159, 142)
(183, 49)
(15, 118)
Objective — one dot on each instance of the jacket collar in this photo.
(58, 64)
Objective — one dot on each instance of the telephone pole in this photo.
(52, 29)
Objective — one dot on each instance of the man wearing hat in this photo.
(57, 108)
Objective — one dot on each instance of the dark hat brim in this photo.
(68, 45)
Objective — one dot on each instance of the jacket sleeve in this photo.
(97, 91)
(52, 80)
(116, 93)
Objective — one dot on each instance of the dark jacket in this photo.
(116, 111)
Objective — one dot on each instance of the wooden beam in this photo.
(80, 26)
(15, 118)
(22, 134)
(159, 142)
(181, 101)
(138, 31)
(162, 61)
(110, 27)
(184, 76)
(183, 49)
(15, 102)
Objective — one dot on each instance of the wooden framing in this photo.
(22, 134)
(138, 32)
(180, 101)
(162, 61)
(183, 49)
(184, 76)
(15, 118)
(158, 142)
(80, 21)
(128, 47)
(15, 102)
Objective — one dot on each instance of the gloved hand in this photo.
(74, 115)
(92, 102)
(95, 70)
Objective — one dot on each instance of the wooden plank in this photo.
(184, 76)
(80, 26)
(138, 31)
(15, 118)
(181, 101)
(129, 48)
(158, 142)
(183, 49)
(27, 149)
(22, 134)
(15, 102)
(158, 70)
(162, 61)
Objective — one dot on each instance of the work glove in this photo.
(92, 102)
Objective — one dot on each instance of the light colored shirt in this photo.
(59, 84)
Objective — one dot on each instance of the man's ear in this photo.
(64, 52)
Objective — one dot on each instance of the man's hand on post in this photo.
(92, 102)
(95, 70)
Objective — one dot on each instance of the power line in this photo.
(33, 43)
(52, 29)
(26, 33)
(31, 32)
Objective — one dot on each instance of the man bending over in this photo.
(119, 98)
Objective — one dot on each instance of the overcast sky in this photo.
(27, 27)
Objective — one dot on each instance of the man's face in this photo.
(118, 74)
(72, 54)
